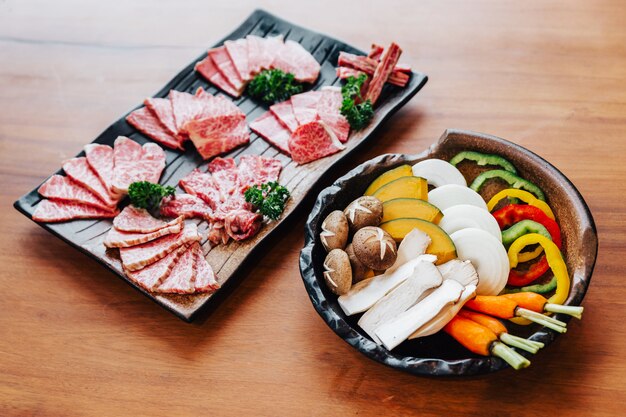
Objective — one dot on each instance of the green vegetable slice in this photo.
(483, 159)
(146, 195)
(269, 198)
(537, 288)
(272, 86)
(512, 179)
(522, 228)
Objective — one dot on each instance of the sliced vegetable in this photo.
(500, 330)
(488, 257)
(414, 244)
(522, 228)
(404, 187)
(404, 296)
(514, 213)
(464, 216)
(441, 245)
(387, 177)
(512, 179)
(482, 341)
(525, 196)
(438, 172)
(450, 195)
(366, 293)
(483, 159)
(462, 272)
(538, 288)
(540, 304)
(536, 270)
(410, 208)
(396, 331)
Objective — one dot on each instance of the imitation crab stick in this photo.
(505, 308)
(500, 330)
(482, 341)
(540, 304)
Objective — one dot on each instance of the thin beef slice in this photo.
(208, 70)
(182, 277)
(52, 211)
(149, 124)
(79, 170)
(154, 274)
(134, 162)
(313, 141)
(284, 113)
(269, 128)
(225, 66)
(305, 106)
(100, 159)
(118, 239)
(215, 135)
(185, 205)
(238, 52)
(58, 187)
(292, 58)
(328, 109)
(205, 277)
(138, 220)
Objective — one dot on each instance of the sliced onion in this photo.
(465, 216)
(439, 172)
(488, 257)
(451, 195)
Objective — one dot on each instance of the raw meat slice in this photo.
(241, 224)
(257, 170)
(49, 211)
(347, 72)
(63, 188)
(202, 185)
(305, 106)
(118, 239)
(329, 111)
(284, 114)
(136, 257)
(261, 52)
(147, 123)
(221, 164)
(238, 53)
(218, 106)
(100, 158)
(215, 135)
(388, 61)
(292, 58)
(205, 278)
(138, 220)
(376, 52)
(269, 128)
(79, 170)
(313, 141)
(181, 279)
(226, 176)
(153, 274)
(367, 65)
(209, 70)
(185, 107)
(162, 109)
(134, 162)
(226, 67)
(186, 205)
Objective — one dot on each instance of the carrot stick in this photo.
(500, 330)
(482, 341)
(538, 303)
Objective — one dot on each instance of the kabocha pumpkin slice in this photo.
(400, 208)
(387, 177)
(441, 245)
(403, 187)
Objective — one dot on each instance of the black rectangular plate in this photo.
(226, 260)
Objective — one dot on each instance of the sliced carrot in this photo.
(473, 336)
(493, 305)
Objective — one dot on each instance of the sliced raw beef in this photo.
(133, 162)
(137, 257)
(138, 220)
(152, 275)
(205, 278)
(185, 107)
(147, 123)
(221, 164)
(284, 113)
(50, 211)
(100, 158)
(181, 278)
(62, 188)
(162, 109)
(261, 52)
(215, 135)
(292, 58)
(226, 176)
(238, 53)
(217, 106)
(257, 170)
(388, 61)
(361, 64)
(328, 109)
(313, 141)
(186, 205)
(376, 52)
(79, 170)
(225, 66)
(118, 239)
(202, 185)
(209, 70)
(305, 106)
(346, 72)
(269, 128)
(241, 224)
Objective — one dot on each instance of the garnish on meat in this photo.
(357, 112)
(144, 194)
(269, 198)
(272, 86)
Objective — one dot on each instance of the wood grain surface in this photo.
(77, 341)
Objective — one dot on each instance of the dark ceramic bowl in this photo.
(439, 354)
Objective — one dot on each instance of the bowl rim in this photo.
(433, 366)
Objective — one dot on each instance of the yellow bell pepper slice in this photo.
(525, 196)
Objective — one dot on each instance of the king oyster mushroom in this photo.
(337, 272)
(374, 247)
(364, 211)
(334, 231)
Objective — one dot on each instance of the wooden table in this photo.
(76, 340)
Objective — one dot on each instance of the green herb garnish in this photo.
(272, 86)
(144, 194)
(357, 112)
(269, 198)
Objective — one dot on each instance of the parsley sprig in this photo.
(269, 198)
(144, 194)
(272, 86)
(357, 112)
